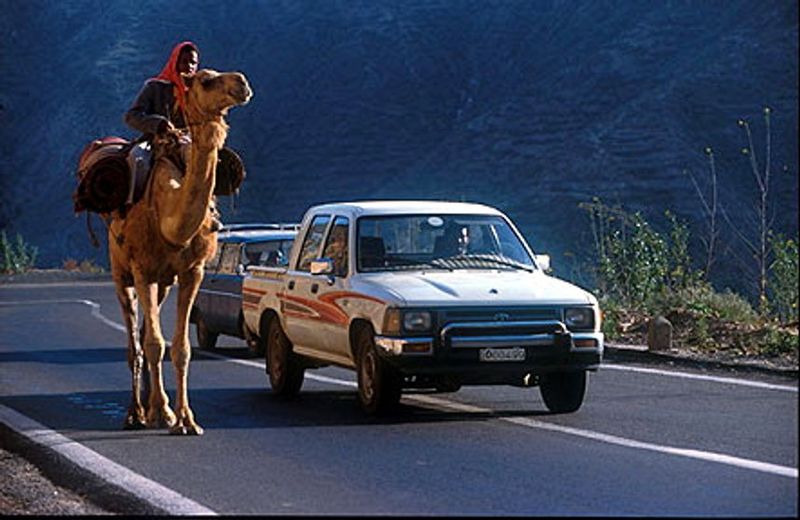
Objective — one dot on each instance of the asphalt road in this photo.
(647, 442)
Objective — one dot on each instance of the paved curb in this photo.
(65, 473)
(640, 354)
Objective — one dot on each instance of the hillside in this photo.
(532, 107)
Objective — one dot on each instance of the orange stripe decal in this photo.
(325, 309)
(254, 291)
(333, 296)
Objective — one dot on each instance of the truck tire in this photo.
(206, 339)
(379, 386)
(283, 366)
(563, 392)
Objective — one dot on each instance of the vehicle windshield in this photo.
(408, 242)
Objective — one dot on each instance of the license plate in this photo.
(502, 354)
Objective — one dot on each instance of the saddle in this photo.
(105, 181)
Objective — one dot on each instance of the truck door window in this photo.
(230, 258)
(262, 253)
(336, 245)
(312, 242)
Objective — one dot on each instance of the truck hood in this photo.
(480, 287)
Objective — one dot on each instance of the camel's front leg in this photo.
(134, 419)
(158, 411)
(181, 352)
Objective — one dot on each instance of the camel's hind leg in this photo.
(135, 418)
(158, 411)
(181, 352)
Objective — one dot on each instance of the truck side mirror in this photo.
(322, 266)
(543, 262)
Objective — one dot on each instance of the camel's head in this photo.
(212, 93)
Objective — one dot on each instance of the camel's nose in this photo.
(243, 90)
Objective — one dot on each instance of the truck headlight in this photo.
(417, 321)
(579, 318)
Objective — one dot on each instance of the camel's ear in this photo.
(188, 79)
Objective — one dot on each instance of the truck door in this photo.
(299, 306)
(331, 290)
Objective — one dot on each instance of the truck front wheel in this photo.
(283, 366)
(563, 391)
(379, 386)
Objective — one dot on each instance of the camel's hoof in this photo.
(164, 419)
(135, 419)
(182, 429)
(134, 423)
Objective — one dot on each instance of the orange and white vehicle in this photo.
(421, 294)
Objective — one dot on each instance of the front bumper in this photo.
(456, 351)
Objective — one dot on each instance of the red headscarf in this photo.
(170, 71)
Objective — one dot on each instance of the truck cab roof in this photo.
(405, 207)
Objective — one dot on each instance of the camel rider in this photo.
(159, 109)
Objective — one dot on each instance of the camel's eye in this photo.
(209, 83)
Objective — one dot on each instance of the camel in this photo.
(169, 235)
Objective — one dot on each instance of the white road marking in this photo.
(710, 456)
(701, 377)
(435, 402)
(148, 490)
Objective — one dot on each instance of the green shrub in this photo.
(779, 342)
(641, 274)
(635, 263)
(680, 273)
(782, 283)
(611, 318)
(16, 256)
(701, 300)
(88, 266)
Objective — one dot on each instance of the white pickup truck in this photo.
(421, 294)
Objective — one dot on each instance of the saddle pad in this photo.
(103, 176)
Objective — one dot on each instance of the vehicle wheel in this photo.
(256, 347)
(283, 366)
(379, 386)
(206, 339)
(563, 391)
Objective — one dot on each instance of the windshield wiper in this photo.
(408, 262)
(498, 260)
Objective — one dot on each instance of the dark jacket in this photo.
(154, 104)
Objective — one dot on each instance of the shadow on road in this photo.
(237, 408)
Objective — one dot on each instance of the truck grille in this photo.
(480, 327)
(501, 314)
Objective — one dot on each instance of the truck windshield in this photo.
(405, 242)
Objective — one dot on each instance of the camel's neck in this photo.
(183, 219)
